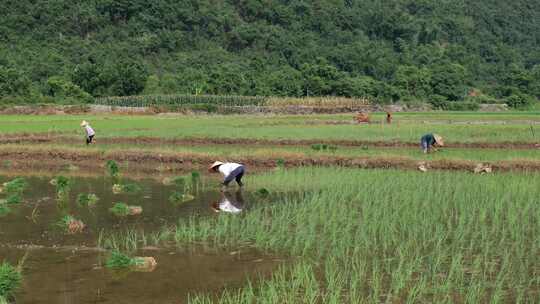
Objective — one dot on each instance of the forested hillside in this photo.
(407, 50)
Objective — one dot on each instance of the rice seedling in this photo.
(262, 193)
(323, 147)
(87, 199)
(121, 209)
(17, 185)
(129, 188)
(389, 236)
(6, 163)
(70, 224)
(178, 197)
(13, 199)
(4, 208)
(112, 169)
(10, 280)
(119, 260)
(63, 187)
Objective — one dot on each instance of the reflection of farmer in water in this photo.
(229, 203)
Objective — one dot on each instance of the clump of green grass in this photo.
(13, 199)
(70, 224)
(10, 280)
(262, 193)
(120, 209)
(324, 147)
(129, 188)
(14, 191)
(112, 169)
(178, 197)
(119, 260)
(63, 187)
(87, 199)
(4, 208)
(15, 186)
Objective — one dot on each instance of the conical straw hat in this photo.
(438, 139)
(215, 164)
(84, 123)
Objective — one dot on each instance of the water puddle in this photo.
(35, 221)
(63, 267)
(78, 276)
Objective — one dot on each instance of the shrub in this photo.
(519, 101)
(67, 91)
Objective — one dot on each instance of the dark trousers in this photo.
(236, 174)
(89, 139)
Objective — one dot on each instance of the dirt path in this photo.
(145, 162)
(61, 139)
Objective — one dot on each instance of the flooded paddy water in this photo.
(68, 266)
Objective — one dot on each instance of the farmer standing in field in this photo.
(89, 132)
(429, 141)
(230, 171)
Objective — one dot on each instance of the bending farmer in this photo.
(89, 132)
(230, 171)
(429, 141)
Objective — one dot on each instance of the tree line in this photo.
(446, 52)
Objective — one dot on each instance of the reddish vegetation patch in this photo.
(52, 139)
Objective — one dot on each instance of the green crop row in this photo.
(376, 236)
(181, 100)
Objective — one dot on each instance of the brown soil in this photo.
(149, 163)
(59, 139)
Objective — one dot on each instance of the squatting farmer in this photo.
(89, 132)
(430, 141)
(231, 171)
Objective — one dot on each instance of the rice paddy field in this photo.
(331, 212)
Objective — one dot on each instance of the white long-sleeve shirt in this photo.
(227, 168)
(89, 130)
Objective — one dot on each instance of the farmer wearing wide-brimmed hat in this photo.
(429, 141)
(230, 171)
(89, 132)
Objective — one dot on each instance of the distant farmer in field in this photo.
(229, 203)
(230, 171)
(362, 117)
(429, 141)
(89, 132)
(388, 117)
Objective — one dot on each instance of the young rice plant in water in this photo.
(10, 280)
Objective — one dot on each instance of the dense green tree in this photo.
(13, 83)
(387, 50)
